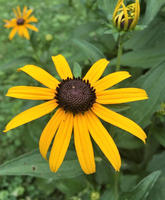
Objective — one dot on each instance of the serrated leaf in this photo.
(34, 164)
(145, 58)
(93, 53)
(17, 62)
(141, 191)
(77, 71)
(152, 9)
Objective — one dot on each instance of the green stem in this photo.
(119, 53)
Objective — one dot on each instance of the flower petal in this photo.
(116, 9)
(19, 12)
(119, 121)
(62, 66)
(49, 131)
(31, 114)
(15, 12)
(110, 80)
(83, 144)
(28, 13)
(103, 139)
(31, 19)
(24, 11)
(30, 92)
(20, 31)
(122, 95)
(13, 32)
(25, 32)
(96, 71)
(40, 75)
(31, 27)
(61, 142)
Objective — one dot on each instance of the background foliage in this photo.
(75, 29)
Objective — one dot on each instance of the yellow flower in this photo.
(21, 23)
(79, 103)
(125, 18)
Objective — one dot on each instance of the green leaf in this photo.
(34, 164)
(108, 6)
(157, 163)
(108, 194)
(118, 107)
(18, 62)
(111, 31)
(159, 135)
(90, 50)
(145, 58)
(141, 191)
(77, 71)
(151, 10)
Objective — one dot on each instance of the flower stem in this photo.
(119, 53)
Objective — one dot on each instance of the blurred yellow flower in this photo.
(125, 18)
(79, 103)
(21, 23)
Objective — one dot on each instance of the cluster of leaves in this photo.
(75, 30)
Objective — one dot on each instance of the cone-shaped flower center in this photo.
(75, 95)
(20, 21)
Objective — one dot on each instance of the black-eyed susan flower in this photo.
(21, 23)
(79, 106)
(125, 18)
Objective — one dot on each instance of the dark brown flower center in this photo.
(75, 95)
(20, 21)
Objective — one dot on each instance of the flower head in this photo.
(125, 18)
(21, 23)
(79, 105)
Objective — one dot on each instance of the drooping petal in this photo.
(83, 144)
(49, 131)
(31, 27)
(19, 12)
(61, 142)
(13, 32)
(103, 139)
(122, 95)
(40, 75)
(25, 32)
(30, 92)
(24, 11)
(31, 19)
(62, 66)
(96, 71)
(15, 12)
(28, 13)
(110, 80)
(31, 114)
(20, 30)
(119, 121)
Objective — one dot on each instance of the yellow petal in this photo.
(103, 139)
(110, 80)
(122, 95)
(31, 27)
(16, 14)
(24, 11)
(116, 9)
(25, 32)
(61, 142)
(13, 32)
(30, 92)
(62, 66)
(28, 13)
(136, 15)
(31, 19)
(49, 131)
(20, 30)
(31, 114)
(119, 121)
(125, 17)
(40, 75)
(96, 71)
(19, 12)
(83, 144)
